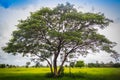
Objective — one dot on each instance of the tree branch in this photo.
(44, 58)
(47, 62)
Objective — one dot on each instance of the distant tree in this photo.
(72, 64)
(80, 64)
(111, 63)
(10, 66)
(47, 65)
(2, 65)
(61, 30)
(97, 64)
(102, 64)
(27, 64)
(37, 64)
(7, 65)
(66, 65)
(116, 65)
(91, 65)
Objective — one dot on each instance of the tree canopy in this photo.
(61, 30)
(80, 64)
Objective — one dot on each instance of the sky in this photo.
(13, 10)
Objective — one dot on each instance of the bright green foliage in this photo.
(80, 64)
(61, 30)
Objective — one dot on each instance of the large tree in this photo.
(59, 31)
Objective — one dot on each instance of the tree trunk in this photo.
(55, 67)
(50, 66)
(51, 69)
(61, 66)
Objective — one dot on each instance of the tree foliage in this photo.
(80, 64)
(27, 64)
(114, 65)
(61, 30)
(72, 64)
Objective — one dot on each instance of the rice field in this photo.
(76, 74)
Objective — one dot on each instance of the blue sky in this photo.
(13, 10)
(8, 3)
(110, 4)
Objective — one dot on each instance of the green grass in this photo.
(77, 74)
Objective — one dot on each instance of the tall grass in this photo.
(43, 74)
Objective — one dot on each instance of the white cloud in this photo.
(8, 19)
(101, 57)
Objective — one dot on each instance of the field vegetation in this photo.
(44, 74)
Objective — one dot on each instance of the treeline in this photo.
(97, 64)
(72, 64)
(7, 66)
(37, 65)
(116, 65)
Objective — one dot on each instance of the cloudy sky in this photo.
(13, 10)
